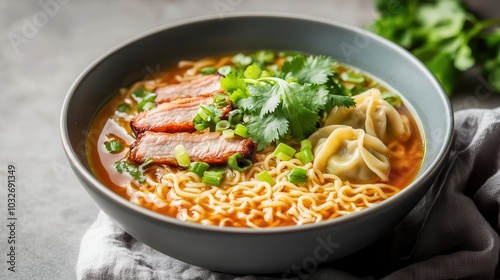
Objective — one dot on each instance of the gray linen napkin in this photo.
(453, 232)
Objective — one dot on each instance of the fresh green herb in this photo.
(140, 93)
(134, 171)
(228, 133)
(444, 35)
(288, 104)
(147, 102)
(305, 144)
(241, 60)
(392, 99)
(124, 108)
(235, 117)
(305, 155)
(145, 164)
(352, 77)
(297, 176)
(265, 177)
(283, 156)
(208, 70)
(222, 125)
(220, 99)
(114, 146)
(213, 178)
(238, 162)
(225, 70)
(198, 167)
(181, 155)
(207, 117)
(241, 130)
(263, 57)
(284, 148)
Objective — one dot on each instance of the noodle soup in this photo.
(262, 139)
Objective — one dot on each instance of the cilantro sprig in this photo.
(443, 35)
(287, 104)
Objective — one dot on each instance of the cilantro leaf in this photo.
(313, 69)
(267, 129)
(443, 34)
(134, 171)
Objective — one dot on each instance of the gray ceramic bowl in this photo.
(239, 250)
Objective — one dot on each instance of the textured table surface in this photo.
(44, 45)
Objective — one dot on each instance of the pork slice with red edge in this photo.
(202, 86)
(209, 147)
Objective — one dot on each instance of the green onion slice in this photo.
(220, 99)
(265, 177)
(305, 156)
(182, 156)
(198, 167)
(238, 162)
(208, 70)
(222, 125)
(224, 70)
(285, 149)
(212, 178)
(297, 176)
(228, 133)
(241, 130)
(352, 77)
(305, 144)
(124, 108)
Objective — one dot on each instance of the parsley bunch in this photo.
(288, 102)
(443, 35)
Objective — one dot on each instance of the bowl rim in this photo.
(149, 214)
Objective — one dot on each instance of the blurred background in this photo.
(46, 44)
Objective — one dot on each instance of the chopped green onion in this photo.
(393, 99)
(182, 156)
(266, 73)
(284, 148)
(219, 168)
(352, 77)
(305, 156)
(224, 70)
(265, 177)
(146, 163)
(241, 60)
(252, 72)
(220, 99)
(222, 125)
(283, 156)
(241, 130)
(213, 178)
(198, 167)
(264, 57)
(235, 117)
(208, 70)
(124, 108)
(148, 106)
(114, 146)
(238, 162)
(297, 176)
(305, 144)
(205, 114)
(228, 133)
(148, 98)
(140, 93)
(200, 127)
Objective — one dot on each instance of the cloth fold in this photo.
(453, 232)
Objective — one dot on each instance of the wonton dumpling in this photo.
(373, 114)
(350, 154)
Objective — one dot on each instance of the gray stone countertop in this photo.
(44, 45)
